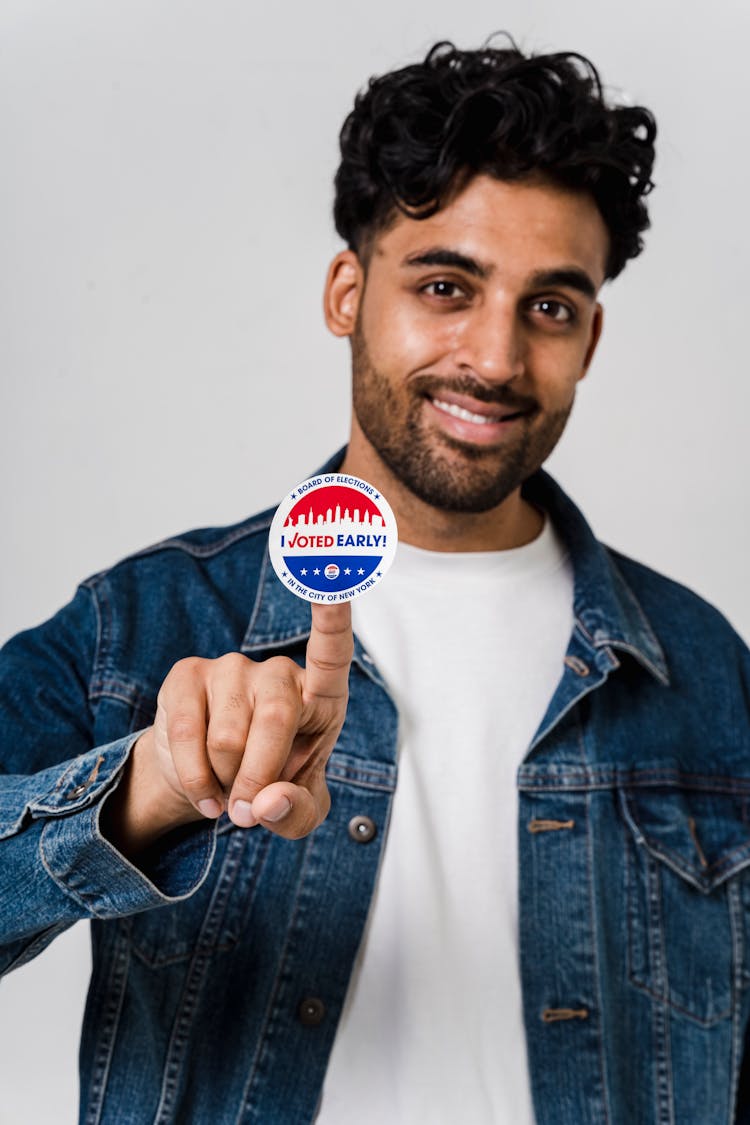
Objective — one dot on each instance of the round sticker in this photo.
(332, 538)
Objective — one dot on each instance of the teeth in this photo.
(465, 415)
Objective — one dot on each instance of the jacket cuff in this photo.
(76, 855)
(90, 870)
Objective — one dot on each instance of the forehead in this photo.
(514, 227)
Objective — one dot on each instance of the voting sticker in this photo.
(332, 538)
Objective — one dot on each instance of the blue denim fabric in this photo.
(634, 834)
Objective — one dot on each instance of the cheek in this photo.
(402, 338)
(555, 387)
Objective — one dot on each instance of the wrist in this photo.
(144, 806)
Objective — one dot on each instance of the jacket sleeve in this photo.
(55, 865)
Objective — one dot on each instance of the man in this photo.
(280, 933)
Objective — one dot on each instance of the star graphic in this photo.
(316, 571)
(303, 572)
(293, 495)
(283, 574)
(361, 570)
(380, 575)
(377, 495)
(347, 570)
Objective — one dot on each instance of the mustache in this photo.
(499, 395)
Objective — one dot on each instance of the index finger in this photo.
(329, 651)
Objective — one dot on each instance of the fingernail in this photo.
(210, 807)
(243, 815)
(277, 810)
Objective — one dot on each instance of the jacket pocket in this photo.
(687, 878)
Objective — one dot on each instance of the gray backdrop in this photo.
(164, 233)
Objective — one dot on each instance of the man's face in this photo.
(472, 329)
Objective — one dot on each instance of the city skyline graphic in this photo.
(340, 506)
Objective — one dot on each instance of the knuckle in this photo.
(188, 666)
(226, 739)
(183, 728)
(196, 782)
(277, 713)
(280, 665)
(232, 663)
(183, 673)
(279, 673)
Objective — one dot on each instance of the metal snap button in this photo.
(311, 1011)
(362, 829)
(578, 666)
(77, 792)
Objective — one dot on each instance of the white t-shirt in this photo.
(471, 647)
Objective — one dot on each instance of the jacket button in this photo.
(311, 1011)
(77, 792)
(362, 829)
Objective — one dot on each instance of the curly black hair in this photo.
(417, 134)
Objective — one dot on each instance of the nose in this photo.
(490, 343)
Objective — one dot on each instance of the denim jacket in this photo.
(220, 969)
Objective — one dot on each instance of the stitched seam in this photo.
(670, 1003)
(581, 741)
(102, 1061)
(256, 608)
(639, 654)
(597, 978)
(261, 1047)
(97, 662)
(645, 623)
(569, 778)
(363, 782)
(735, 919)
(195, 976)
(657, 954)
(677, 863)
(578, 624)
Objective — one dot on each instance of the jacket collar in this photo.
(604, 605)
(605, 608)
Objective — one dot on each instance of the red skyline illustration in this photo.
(337, 504)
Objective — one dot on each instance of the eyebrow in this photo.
(439, 256)
(571, 277)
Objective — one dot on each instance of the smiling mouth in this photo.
(465, 415)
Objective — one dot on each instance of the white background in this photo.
(164, 232)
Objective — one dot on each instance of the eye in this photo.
(447, 290)
(555, 310)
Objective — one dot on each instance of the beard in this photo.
(442, 471)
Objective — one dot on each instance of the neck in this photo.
(513, 523)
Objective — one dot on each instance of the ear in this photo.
(597, 323)
(343, 291)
